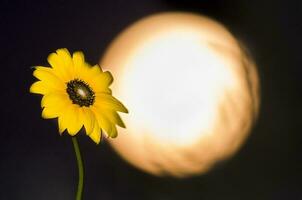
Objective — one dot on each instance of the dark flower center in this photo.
(80, 93)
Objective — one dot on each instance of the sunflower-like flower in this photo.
(78, 95)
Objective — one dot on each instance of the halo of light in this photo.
(191, 89)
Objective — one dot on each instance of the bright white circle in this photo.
(191, 90)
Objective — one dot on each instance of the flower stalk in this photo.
(80, 168)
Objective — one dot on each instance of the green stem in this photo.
(80, 167)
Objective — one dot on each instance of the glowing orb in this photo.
(191, 90)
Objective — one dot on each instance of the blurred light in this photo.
(191, 91)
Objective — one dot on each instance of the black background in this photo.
(37, 163)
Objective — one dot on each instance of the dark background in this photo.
(37, 163)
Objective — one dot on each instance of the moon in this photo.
(192, 91)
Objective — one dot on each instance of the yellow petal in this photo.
(40, 88)
(55, 100)
(96, 69)
(115, 118)
(48, 69)
(96, 78)
(49, 79)
(107, 101)
(101, 82)
(78, 58)
(54, 61)
(74, 123)
(91, 71)
(54, 105)
(62, 124)
(113, 133)
(62, 65)
(88, 119)
(78, 61)
(48, 113)
(105, 124)
(69, 119)
(112, 116)
(68, 65)
(96, 134)
(51, 70)
(65, 56)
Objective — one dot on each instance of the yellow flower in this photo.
(78, 95)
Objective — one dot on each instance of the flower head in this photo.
(78, 95)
